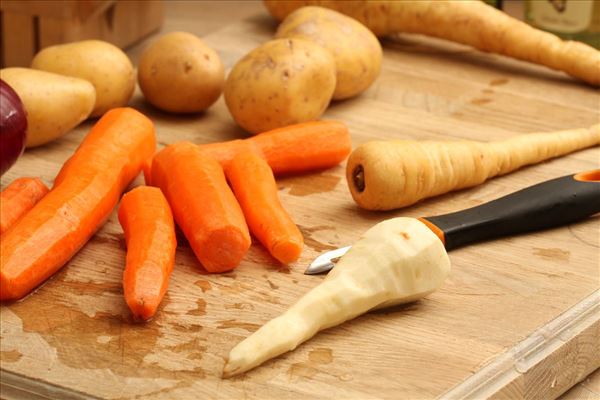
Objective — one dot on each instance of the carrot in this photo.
(292, 149)
(468, 22)
(383, 175)
(254, 187)
(146, 169)
(148, 172)
(96, 143)
(203, 205)
(149, 230)
(18, 198)
(54, 230)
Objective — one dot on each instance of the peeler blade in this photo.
(324, 262)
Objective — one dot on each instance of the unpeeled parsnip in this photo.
(469, 22)
(397, 261)
(383, 175)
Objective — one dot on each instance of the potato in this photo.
(282, 82)
(54, 103)
(180, 74)
(356, 50)
(101, 63)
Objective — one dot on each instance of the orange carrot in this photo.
(254, 187)
(83, 197)
(18, 198)
(149, 230)
(292, 149)
(148, 172)
(203, 205)
(97, 144)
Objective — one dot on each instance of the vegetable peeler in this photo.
(548, 204)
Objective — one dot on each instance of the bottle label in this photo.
(564, 16)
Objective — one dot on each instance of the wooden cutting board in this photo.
(517, 318)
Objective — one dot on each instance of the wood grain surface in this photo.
(588, 389)
(74, 338)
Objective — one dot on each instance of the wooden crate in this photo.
(28, 26)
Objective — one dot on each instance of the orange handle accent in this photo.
(588, 176)
(438, 232)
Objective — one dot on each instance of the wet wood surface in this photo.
(74, 337)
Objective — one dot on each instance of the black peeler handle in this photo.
(545, 205)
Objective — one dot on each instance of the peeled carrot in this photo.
(468, 22)
(149, 230)
(292, 149)
(383, 175)
(203, 205)
(255, 189)
(18, 198)
(54, 230)
(148, 172)
(97, 145)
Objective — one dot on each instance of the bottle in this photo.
(568, 19)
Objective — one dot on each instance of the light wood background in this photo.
(74, 338)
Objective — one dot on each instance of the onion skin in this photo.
(13, 127)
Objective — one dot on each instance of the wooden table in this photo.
(518, 317)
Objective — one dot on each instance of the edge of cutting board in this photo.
(546, 363)
(18, 387)
(554, 357)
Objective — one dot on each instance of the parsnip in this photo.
(396, 261)
(383, 175)
(469, 22)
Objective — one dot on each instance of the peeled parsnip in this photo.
(397, 261)
(473, 23)
(383, 175)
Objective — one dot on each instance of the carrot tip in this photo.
(223, 250)
(286, 252)
(143, 308)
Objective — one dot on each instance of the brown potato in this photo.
(55, 104)
(356, 50)
(103, 64)
(179, 73)
(282, 82)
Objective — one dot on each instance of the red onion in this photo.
(13, 127)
